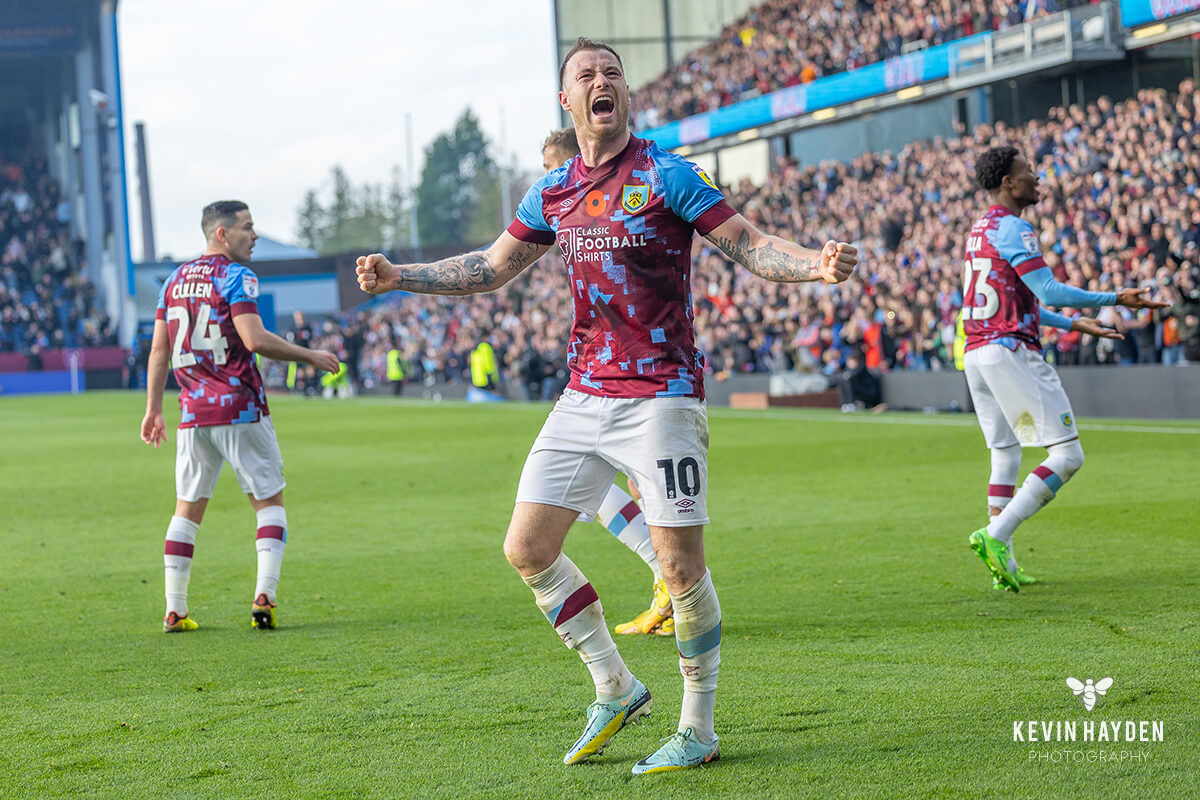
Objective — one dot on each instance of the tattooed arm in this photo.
(778, 259)
(470, 273)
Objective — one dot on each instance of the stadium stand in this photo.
(784, 43)
(1121, 206)
(46, 303)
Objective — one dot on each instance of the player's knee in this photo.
(679, 572)
(1066, 459)
(526, 556)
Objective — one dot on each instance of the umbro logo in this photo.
(685, 503)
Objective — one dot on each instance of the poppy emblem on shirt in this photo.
(595, 203)
(634, 198)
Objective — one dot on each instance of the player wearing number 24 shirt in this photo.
(1018, 397)
(207, 329)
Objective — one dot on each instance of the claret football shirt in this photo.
(218, 381)
(998, 308)
(625, 229)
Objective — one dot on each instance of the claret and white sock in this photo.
(177, 562)
(270, 543)
(698, 637)
(570, 604)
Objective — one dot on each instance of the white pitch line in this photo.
(960, 420)
(935, 420)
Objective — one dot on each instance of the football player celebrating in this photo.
(623, 213)
(619, 512)
(1018, 397)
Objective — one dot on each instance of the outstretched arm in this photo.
(1049, 291)
(470, 273)
(778, 259)
(1092, 327)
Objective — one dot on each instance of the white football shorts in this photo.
(659, 442)
(250, 448)
(1018, 397)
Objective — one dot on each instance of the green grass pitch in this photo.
(864, 654)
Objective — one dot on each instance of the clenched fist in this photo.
(838, 260)
(375, 273)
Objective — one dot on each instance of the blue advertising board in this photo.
(38, 382)
(39, 35)
(1139, 12)
(874, 79)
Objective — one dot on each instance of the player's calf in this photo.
(1039, 488)
(698, 637)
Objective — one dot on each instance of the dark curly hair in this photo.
(992, 166)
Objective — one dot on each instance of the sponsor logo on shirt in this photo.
(703, 175)
(634, 198)
(589, 244)
(1030, 240)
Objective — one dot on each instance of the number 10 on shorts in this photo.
(685, 476)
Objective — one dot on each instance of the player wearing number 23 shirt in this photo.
(1018, 397)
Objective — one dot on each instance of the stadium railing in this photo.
(968, 61)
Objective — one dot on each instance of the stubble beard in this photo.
(584, 129)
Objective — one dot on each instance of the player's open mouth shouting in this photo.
(604, 106)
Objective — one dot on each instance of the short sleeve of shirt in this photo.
(530, 224)
(240, 290)
(1017, 243)
(691, 194)
(161, 311)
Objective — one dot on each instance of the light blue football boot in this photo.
(606, 718)
(682, 751)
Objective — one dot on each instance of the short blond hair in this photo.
(564, 140)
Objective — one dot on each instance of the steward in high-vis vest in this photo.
(484, 373)
(397, 367)
(337, 382)
(960, 344)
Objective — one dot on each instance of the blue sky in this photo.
(258, 100)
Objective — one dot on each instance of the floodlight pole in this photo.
(149, 252)
(505, 188)
(414, 232)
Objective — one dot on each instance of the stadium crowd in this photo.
(1120, 207)
(45, 300)
(777, 45)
